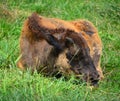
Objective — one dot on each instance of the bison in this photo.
(53, 46)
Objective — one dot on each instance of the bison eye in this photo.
(69, 55)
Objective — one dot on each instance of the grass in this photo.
(22, 86)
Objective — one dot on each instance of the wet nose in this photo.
(94, 78)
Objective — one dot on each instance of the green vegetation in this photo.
(22, 86)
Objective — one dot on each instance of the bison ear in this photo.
(53, 41)
(69, 42)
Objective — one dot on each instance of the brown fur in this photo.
(37, 53)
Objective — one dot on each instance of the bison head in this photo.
(81, 63)
(78, 56)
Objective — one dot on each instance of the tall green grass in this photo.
(22, 86)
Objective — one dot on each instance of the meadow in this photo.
(16, 85)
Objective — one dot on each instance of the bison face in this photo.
(78, 55)
(82, 63)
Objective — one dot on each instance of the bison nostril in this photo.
(91, 79)
(94, 83)
(98, 76)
